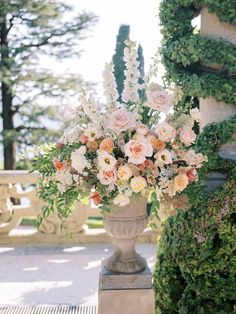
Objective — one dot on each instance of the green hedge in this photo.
(196, 267)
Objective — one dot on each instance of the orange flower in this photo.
(93, 145)
(180, 182)
(156, 143)
(59, 165)
(59, 145)
(96, 198)
(83, 139)
(107, 145)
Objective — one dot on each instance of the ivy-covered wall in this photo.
(196, 266)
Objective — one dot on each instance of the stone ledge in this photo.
(118, 281)
(28, 235)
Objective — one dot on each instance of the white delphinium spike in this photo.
(132, 74)
(110, 87)
(91, 109)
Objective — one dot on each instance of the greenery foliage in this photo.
(196, 267)
(187, 55)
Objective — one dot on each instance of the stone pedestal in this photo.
(126, 293)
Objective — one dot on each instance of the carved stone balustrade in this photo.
(12, 186)
(21, 185)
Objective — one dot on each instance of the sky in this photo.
(98, 48)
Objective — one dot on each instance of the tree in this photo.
(118, 59)
(30, 29)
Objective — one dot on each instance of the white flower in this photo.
(163, 157)
(106, 161)
(110, 87)
(165, 132)
(92, 134)
(78, 160)
(132, 74)
(121, 200)
(195, 114)
(65, 178)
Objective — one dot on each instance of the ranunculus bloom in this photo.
(159, 100)
(137, 151)
(124, 173)
(92, 145)
(147, 164)
(180, 182)
(106, 161)
(107, 145)
(191, 173)
(59, 165)
(96, 198)
(138, 184)
(165, 132)
(121, 120)
(156, 143)
(83, 139)
(107, 177)
(121, 200)
(187, 136)
(59, 145)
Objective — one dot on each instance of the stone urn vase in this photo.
(124, 225)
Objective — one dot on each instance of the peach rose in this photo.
(121, 120)
(187, 136)
(107, 177)
(138, 184)
(156, 143)
(165, 132)
(124, 173)
(107, 145)
(137, 151)
(180, 182)
(159, 100)
(121, 200)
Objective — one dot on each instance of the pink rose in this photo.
(137, 151)
(187, 136)
(159, 100)
(107, 177)
(121, 120)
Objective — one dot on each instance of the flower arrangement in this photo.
(117, 151)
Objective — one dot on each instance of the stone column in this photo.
(211, 110)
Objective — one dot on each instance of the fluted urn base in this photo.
(124, 224)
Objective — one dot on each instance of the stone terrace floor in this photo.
(56, 274)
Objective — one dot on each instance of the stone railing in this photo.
(21, 186)
(19, 200)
